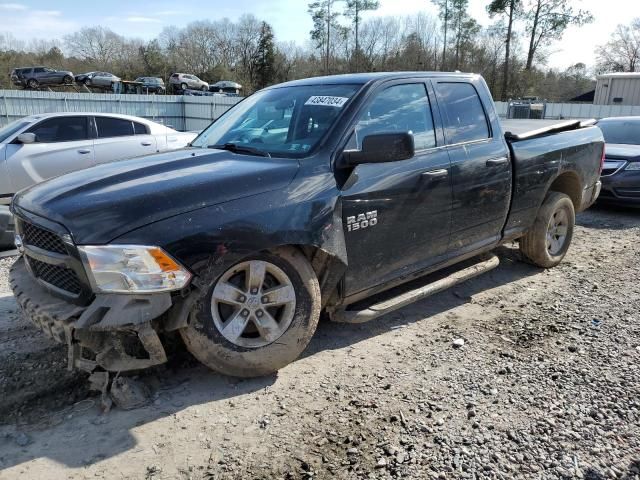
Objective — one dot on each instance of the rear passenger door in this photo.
(118, 138)
(480, 168)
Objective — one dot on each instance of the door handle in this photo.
(433, 174)
(494, 162)
(146, 144)
(84, 151)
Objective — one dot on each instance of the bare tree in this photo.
(546, 22)
(98, 44)
(622, 52)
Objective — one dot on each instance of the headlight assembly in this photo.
(633, 166)
(132, 269)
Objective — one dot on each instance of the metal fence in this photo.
(180, 112)
(195, 113)
(578, 110)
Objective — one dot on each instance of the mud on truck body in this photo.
(314, 195)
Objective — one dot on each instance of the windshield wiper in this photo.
(235, 148)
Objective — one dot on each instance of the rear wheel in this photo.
(546, 243)
(184, 86)
(257, 316)
(67, 79)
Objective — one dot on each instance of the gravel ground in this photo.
(520, 373)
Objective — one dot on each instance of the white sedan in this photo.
(42, 146)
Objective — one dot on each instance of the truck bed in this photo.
(516, 129)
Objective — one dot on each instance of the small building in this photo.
(621, 88)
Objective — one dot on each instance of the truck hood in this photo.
(101, 203)
(619, 151)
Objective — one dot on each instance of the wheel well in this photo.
(328, 268)
(569, 184)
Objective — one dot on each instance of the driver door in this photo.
(396, 215)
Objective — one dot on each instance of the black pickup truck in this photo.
(324, 194)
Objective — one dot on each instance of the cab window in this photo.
(464, 118)
(398, 109)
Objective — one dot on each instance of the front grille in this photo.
(58, 276)
(41, 238)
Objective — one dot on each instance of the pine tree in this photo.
(266, 57)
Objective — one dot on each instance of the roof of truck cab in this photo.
(362, 78)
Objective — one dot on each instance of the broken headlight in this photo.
(132, 269)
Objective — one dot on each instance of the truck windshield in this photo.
(282, 122)
(621, 131)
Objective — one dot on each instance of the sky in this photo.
(44, 19)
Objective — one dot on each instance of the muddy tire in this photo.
(257, 316)
(546, 243)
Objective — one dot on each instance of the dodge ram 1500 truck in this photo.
(327, 194)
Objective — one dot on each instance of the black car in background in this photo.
(152, 85)
(33, 77)
(621, 171)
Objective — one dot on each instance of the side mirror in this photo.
(381, 147)
(27, 138)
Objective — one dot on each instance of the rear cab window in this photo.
(463, 115)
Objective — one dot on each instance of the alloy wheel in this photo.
(557, 231)
(253, 304)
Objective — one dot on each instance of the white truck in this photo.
(42, 146)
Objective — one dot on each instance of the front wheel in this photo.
(33, 83)
(546, 243)
(257, 316)
(67, 80)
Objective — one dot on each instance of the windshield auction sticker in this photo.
(326, 101)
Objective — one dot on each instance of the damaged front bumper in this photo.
(116, 332)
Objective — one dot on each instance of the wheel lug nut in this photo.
(242, 298)
(265, 299)
(259, 313)
(245, 313)
(254, 291)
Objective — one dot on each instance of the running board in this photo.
(374, 311)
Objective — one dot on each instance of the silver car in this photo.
(184, 81)
(39, 147)
(97, 79)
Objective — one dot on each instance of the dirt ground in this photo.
(546, 385)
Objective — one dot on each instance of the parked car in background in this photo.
(184, 81)
(33, 77)
(97, 79)
(38, 147)
(226, 86)
(621, 171)
(152, 85)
